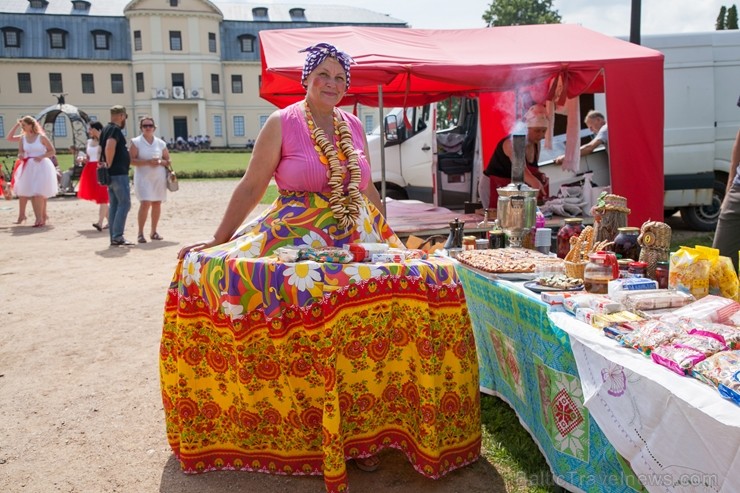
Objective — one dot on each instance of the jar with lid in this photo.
(600, 269)
(625, 243)
(624, 264)
(661, 274)
(573, 227)
(637, 269)
(468, 242)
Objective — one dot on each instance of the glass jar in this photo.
(572, 227)
(637, 269)
(624, 265)
(625, 243)
(468, 242)
(600, 269)
(661, 274)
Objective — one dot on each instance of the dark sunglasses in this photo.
(147, 126)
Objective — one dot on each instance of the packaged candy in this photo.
(717, 368)
(711, 308)
(656, 299)
(327, 254)
(729, 334)
(649, 334)
(288, 253)
(689, 272)
(679, 359)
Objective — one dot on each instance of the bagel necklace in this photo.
(344, 207)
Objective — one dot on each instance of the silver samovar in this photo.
(517, 201)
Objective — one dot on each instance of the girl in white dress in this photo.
(36, 177)
(150, 158)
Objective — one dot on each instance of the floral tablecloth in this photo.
(525, 359)
(292, 368)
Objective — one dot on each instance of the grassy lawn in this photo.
(188, 163)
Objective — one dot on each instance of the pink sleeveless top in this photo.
(300, 169)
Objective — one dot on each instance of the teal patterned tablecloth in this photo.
(527, 361)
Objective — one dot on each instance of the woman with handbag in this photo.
(89, 188)
(151, 159)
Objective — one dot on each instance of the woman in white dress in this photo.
(150, 158)
(36, 177)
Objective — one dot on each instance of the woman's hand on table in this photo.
(196, 247)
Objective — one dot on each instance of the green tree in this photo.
(731, 21)
(520, 12)
(720, 25)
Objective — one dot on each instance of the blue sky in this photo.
(611, 17)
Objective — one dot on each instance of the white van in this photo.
(702, 85)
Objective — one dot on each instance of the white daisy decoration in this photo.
(362, 272)
(248, 246)
(303, 275)
(191, 270)
(313, 240)
(232, 310)
(365, 227)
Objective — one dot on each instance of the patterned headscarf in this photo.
(320, 52)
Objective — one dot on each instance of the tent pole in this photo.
(382, 147)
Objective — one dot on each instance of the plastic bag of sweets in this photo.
(717, 368)
(689, 272)
(677, 358)
(646, 335)
(729, 334)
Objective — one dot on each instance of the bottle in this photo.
(573, 227)
(661, 274)
(625, 243)
(496, 237)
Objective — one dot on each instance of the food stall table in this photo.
(295, 367)
(677, 432)
(526, 360)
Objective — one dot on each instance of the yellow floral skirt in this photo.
(293, 368)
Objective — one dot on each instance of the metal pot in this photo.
(517, 210)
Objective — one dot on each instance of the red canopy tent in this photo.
(417, 66)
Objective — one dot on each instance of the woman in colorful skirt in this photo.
(88, 188)
(291, 367)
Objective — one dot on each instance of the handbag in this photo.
(103, 175)
(172, 184)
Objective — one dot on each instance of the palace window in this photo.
(236, 84)
(246, 43)
(88, 84)
(137, 40)
(24, 82)
(101, 39)
(55, 82)
(175, 41)
(57, 38)
(215, 84)
(116, 83)
(12, 37)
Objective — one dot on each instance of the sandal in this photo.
(141, 239)
(97, 226)
(367, 464)
(155, 236)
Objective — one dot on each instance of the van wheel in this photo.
(393, 191)
(705, 217)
